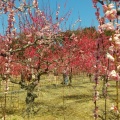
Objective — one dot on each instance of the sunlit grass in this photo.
(58, 102)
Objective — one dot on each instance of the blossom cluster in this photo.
(109, 22)
(110, 12)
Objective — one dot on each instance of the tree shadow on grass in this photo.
(53, 86)
(79, 98)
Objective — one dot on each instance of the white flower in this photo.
(111, 14)
(111, 48)
(117, 39)
(113, 107)
(118, 67)
(97, 93)
(7, 88)
(14, 30)
(33, 76)
(107, 26)
(110, 6)
(114, 75)
(107, 84)
(110, 57)
(117, 42)
(29, 42)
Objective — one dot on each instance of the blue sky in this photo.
(82, 9)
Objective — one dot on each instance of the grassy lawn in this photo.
(58, 102)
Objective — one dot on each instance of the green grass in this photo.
(58, 102)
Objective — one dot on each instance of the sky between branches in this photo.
(80, 9)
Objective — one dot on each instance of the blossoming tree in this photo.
(109, 22)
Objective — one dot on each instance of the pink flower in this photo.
(107, 26)
(95, 1)
(111, 14)
(29, 35)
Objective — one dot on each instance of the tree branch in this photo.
(101, 2)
